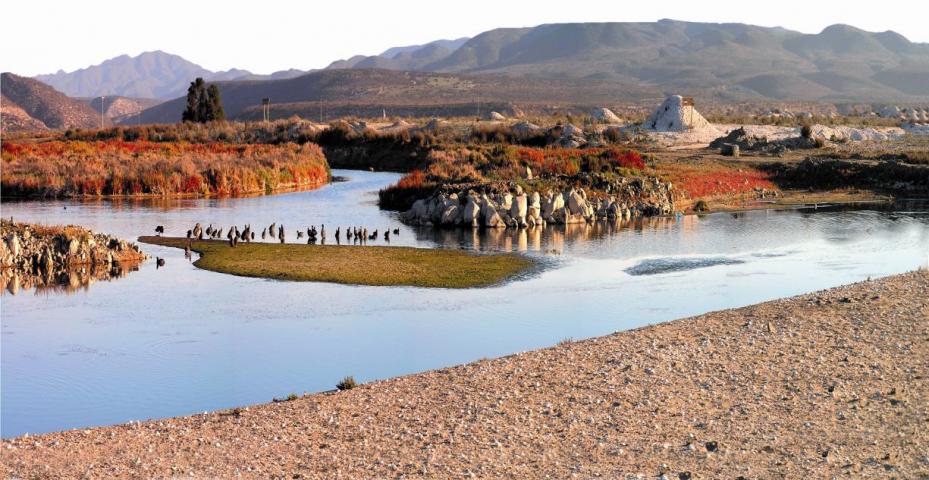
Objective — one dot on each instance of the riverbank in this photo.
(354, 265)
(831, 383)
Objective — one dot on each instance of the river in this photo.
(177, 340)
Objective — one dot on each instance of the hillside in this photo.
(149, 75)
(47, 105)
(15, 119)
(327, 94)
(729, 60)
(118, 108)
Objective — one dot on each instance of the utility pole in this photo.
(266, 110)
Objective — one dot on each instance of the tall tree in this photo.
(216, 104)
(203, 103)
(194, 94)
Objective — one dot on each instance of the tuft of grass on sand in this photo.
(356, 265)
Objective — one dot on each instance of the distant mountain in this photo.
(451, 45)
(840, 63)
(46, 105)
(149, 75)
(411, 57)
(328, 94)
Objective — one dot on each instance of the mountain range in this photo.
(553, 64)
(155, 75)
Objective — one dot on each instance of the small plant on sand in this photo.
(288, 398)
(347, 383)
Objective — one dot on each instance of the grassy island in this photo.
(356, 265)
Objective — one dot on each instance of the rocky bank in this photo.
(506, 207)
(830, 384)
(44, 256)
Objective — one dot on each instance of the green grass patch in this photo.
(355, 265)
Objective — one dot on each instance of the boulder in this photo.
(471, 211)
(494, 116)
(520, 209)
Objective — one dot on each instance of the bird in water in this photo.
(160, 230)
(396, 231)
(159, 262)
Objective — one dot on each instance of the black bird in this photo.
(160, 230)
(387, 235)
(300, 233)
(337, 234)
(396, 231)
(190, 233)
(159, 262)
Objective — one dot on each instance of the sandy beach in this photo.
(828, 384)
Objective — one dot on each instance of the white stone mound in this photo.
(495, 116)
(606, 115)
(676, 115)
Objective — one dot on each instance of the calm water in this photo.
(179, 340)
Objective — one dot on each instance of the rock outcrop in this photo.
(41, 255)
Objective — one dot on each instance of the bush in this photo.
(347, 383)
(806, 131)
(701, 206)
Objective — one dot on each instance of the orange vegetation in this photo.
(117, 167)
(698, 181)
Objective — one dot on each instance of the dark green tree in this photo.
(203, 103)
(216, 104)
(194, 93)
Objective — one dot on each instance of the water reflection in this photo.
(551, 238)
(63, 282)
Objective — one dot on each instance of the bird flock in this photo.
(352, 235)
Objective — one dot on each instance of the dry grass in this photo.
(116, 167)
(384, 266)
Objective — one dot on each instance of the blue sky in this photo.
(268, 36)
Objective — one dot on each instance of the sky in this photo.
(264, 36)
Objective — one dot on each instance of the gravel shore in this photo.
(832, 383)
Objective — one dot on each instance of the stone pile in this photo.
(519, 209)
